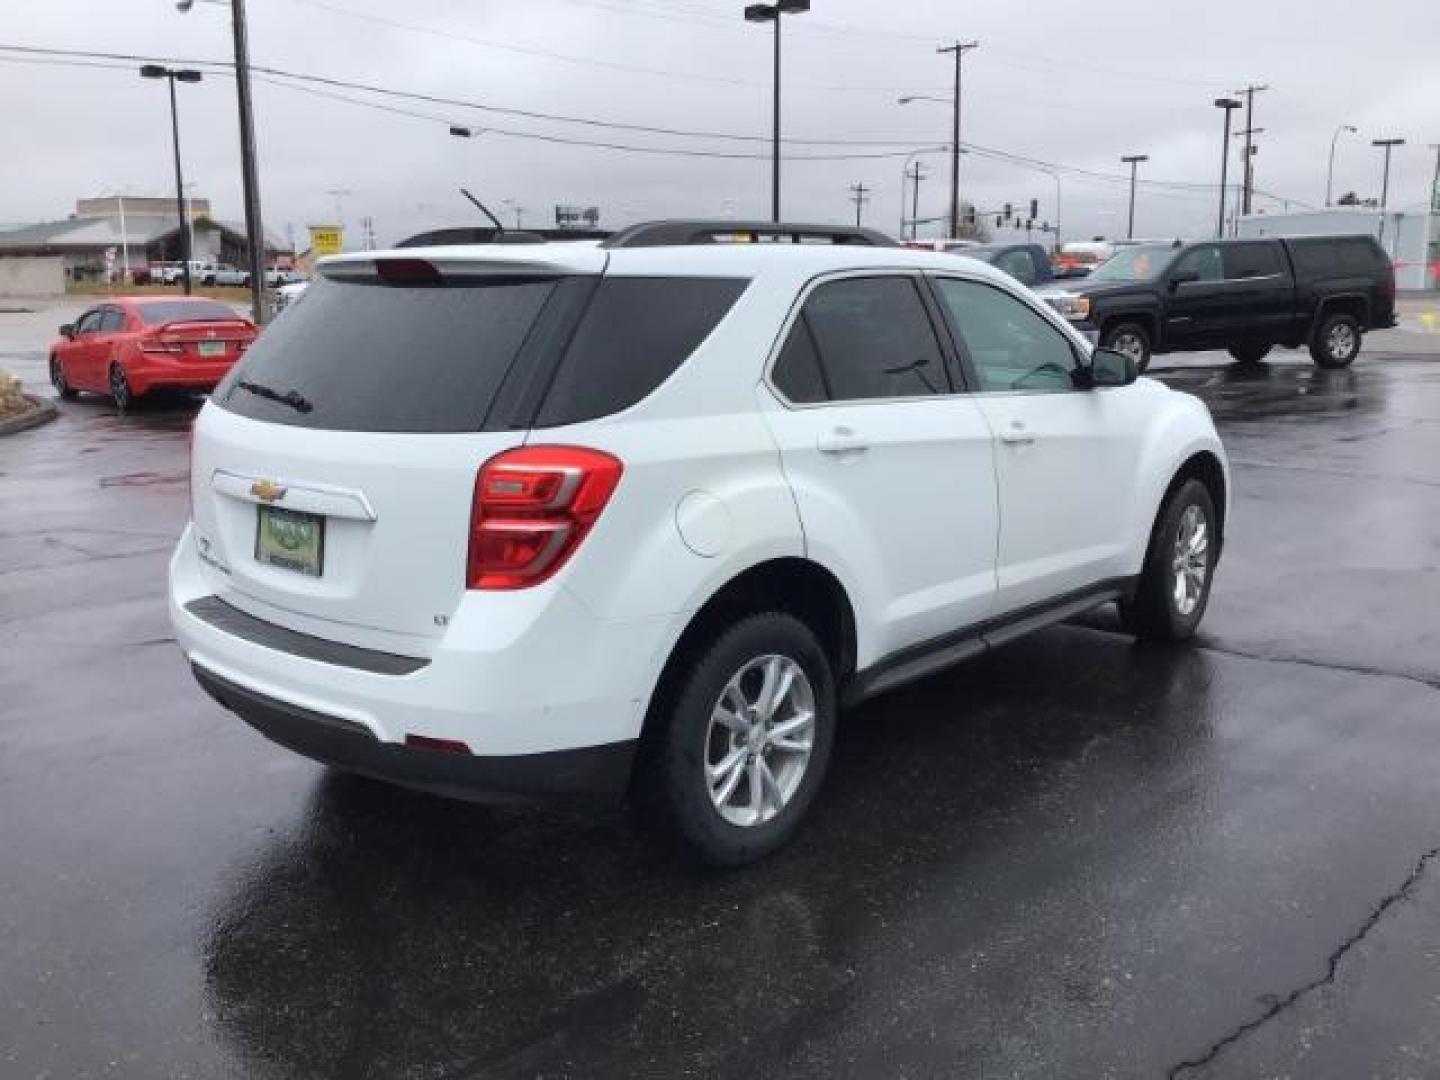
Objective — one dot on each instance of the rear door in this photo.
(1261, 290)
(334, 469)
(892, 469)
(1064, 458)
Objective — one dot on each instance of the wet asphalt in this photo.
(1072, 858)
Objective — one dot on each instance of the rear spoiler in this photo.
(173, 323)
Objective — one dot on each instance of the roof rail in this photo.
(681, 232)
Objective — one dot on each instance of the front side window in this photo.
(1204, 262)
(1011, 346)
(862, 338)
(88, 323)
(113, 319)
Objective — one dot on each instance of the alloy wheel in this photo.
(120, 388)
(1341, 341)
(1190, 561)
(759, 740)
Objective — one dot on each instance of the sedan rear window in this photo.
(167, 311)
(370, 357)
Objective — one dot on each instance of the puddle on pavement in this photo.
(1263, 391)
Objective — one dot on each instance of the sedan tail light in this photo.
(155, 345)
(533, 507)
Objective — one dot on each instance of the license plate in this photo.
(212, 348)
(290, 540)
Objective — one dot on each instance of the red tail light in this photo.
(533, 507)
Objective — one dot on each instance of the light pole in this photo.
(1330, 172)
(1133, 160)
(762, 13)
(254, 229)
(1387, 145)
(173, 75)
(1229, 105)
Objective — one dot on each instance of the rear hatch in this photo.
(334, 469)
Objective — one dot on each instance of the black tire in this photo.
(58, 380)
(1132, 338)
(671, 782)
(125, 400)
(1337, 341)
(1249, 352)
(1156, 613)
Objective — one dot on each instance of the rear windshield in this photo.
(370, 357)
(353, 356)
(184, 311)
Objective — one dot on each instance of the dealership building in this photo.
(1411, 237)
(123, 232)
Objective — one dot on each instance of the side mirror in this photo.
(67, 331)
(1183, 277)
(1111, 368)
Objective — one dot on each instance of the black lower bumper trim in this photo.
(593, 770)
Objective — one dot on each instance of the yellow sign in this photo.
(326, 240)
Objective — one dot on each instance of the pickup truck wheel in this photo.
(738, 746)
(1174, 586)
(1336, 342)
(1132, 339)
(1250, 354)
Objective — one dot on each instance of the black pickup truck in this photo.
(1246, 296)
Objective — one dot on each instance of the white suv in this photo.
(639, 518)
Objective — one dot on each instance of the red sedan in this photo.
(128, 346)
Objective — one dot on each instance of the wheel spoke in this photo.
(774, 667)
(796, 724)
(782, 690)
(726, 765)
(757, 791)
(769, 785)
(726, 788)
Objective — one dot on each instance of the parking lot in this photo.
(1074, 857)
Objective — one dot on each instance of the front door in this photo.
(1064, 457)
(76, 354)
(892, 470)
(1197, 302)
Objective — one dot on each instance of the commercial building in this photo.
(127, 232)
(1410, 236)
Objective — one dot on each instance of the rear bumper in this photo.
(592, 770)
(156, 373)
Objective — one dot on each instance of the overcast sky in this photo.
(1065, 82)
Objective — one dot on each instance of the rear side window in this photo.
(1350, 255)
(635, 334)
(369, 357)
(157, 314)
(1360, 256)
(1251, 261)
(868, 338)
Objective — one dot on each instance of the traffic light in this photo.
(970, 216)
(1009, 211)
(999, 221)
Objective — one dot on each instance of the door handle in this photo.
(841, 442)
(1016, 435)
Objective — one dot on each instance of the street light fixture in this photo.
(1133, 161)
(254, 229)
(1229, 105)
(172, 76)
(762, 13)
(1330, 172)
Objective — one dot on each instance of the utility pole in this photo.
(960, 48)
(1133, 161)
(1435, 181)
(914, 174)
(1229, 105)
(1249, 92)
(859, 195)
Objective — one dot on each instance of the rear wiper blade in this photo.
(293, 398)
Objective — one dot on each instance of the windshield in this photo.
(1142, 263)
(984, 254)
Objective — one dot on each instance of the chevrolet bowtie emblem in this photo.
(268, 491)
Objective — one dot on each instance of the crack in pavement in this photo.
(1323, 665)
(1278, 1004)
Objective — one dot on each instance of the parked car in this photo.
(225, 274)
(171, 273)
(1076, 258)
(129, 346)
(786, 476)
(1026, 263)
(1246, 296)
(286, 295)
(275, 277)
